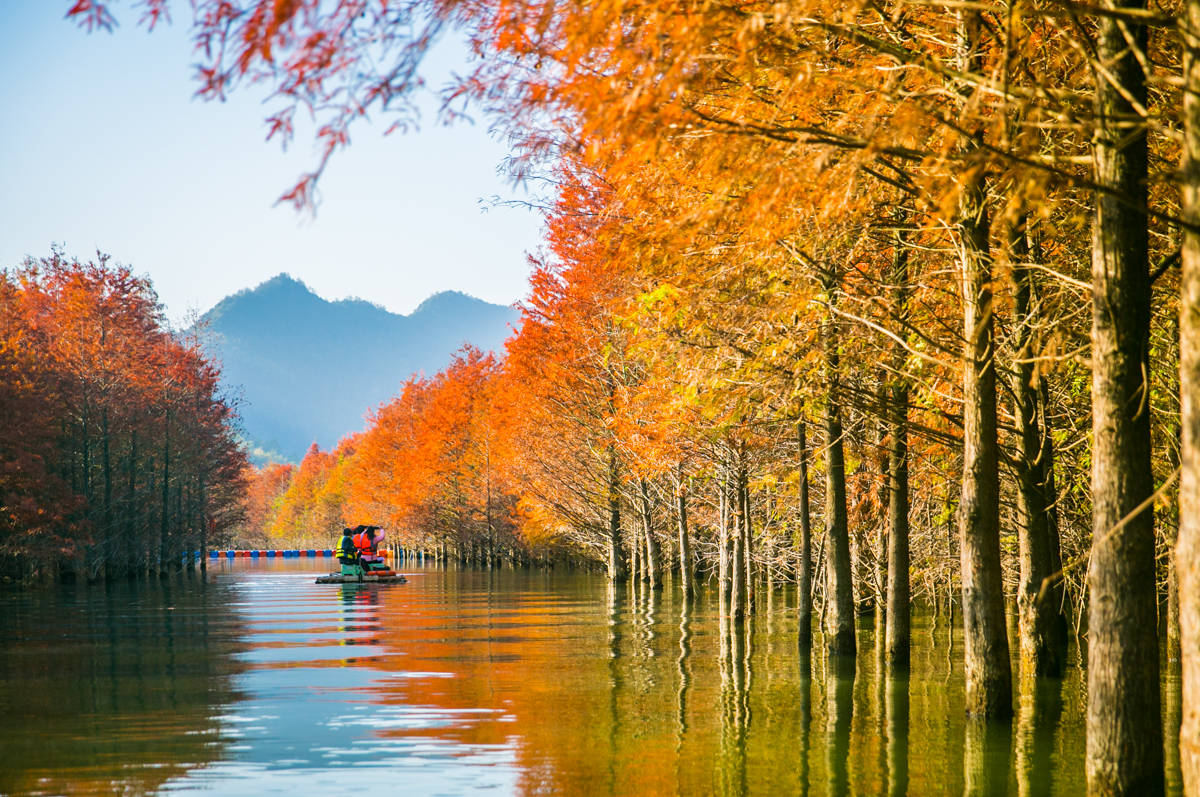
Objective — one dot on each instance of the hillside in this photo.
(307, 369)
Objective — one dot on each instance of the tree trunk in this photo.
(1124, 738)
(839, 596)
(616, 564)
(164, 520)
(737, 566)
(1039, 594)
(985, 635)
(1187, 551)
(687, 574)
(747, 537)
(897, 632)
(804, 572)
(722, 535)
(1124, 725)
(652, 564)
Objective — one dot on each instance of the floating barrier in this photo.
(237, 554)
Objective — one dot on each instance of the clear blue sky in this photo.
(103, 147)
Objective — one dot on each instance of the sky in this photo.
(102, 147)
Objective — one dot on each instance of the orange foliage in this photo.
(118, 448)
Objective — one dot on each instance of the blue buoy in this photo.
(270, 554)
(230, 554)
(254, 554)
(214, 554)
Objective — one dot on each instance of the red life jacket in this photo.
(364, 541)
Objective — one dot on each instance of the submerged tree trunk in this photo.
(804, 572)
(985, 635)
(737, 566)
(747, 538)
(652, 563)
(164, 526)
(1124, 721)
(687, 574)
(896, 634)
(1039, 595)
(1187, 550)
(723, 542)
(839, 596)
(616, 564)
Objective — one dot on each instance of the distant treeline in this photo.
(428, 468)
(117, 451)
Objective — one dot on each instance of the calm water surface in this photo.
(257, 680)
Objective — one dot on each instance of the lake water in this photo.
(257, 680)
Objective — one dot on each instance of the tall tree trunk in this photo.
(897, 632)
(1187, 550)
(687, 574)
(985, 635)
(1124, 720)
(737, 562)
(804, 572)
(106, 466)
(1052, 528)
(165, 519)
(616, 564)
(879, 567)
(1042, 627)
(128, 510)
(723, 541)
(839, 595)
(747, 536)
(652, 563)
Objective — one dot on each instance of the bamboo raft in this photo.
(379, 577)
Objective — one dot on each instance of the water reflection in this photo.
(528, 682)
(1038, 716)
(839, 690)
(896, 732)
(986, 757)
(804, 708)
(683, 667)
(110, 689)
(736, 675)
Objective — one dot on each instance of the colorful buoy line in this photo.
(274, 554)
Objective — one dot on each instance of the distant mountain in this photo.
(308, 369)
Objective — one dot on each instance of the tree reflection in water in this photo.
(839, 691)
(529, 682)
(112, 689)
(987, 757)
(736, 677)
(896, 727)
(1037, 722)
(804, 707)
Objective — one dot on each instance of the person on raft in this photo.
(347, 554)
(367, 540)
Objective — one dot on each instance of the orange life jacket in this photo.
(365, 542)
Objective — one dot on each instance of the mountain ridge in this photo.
(309, 369)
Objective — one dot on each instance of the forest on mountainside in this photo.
(903, 294)
(118, 453)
